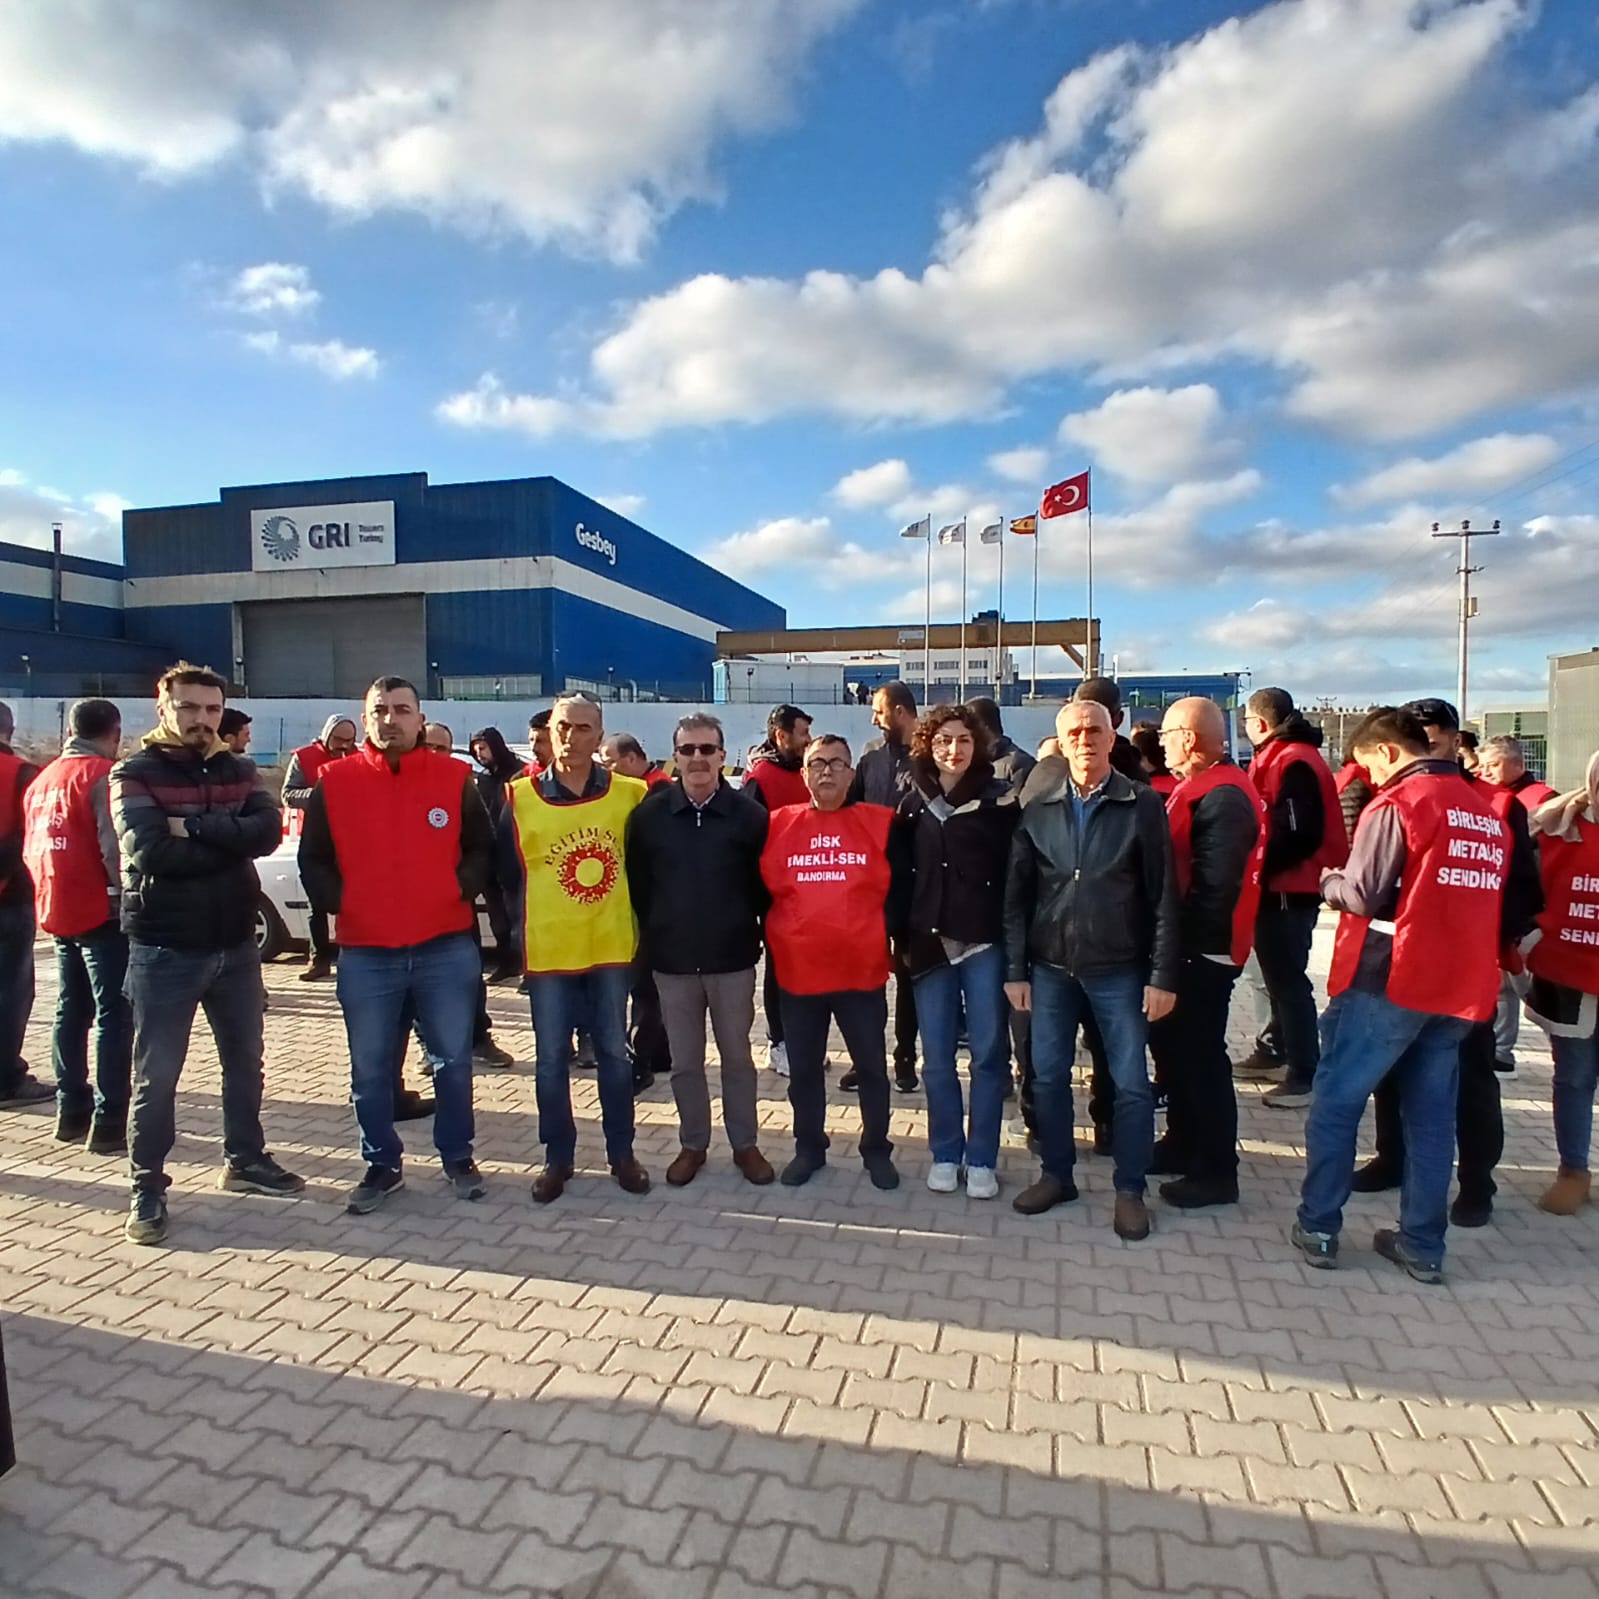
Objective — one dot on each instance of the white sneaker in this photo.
(777, 1058)
(945, 1177)
(981, 1183)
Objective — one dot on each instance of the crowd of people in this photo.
(1112, 889)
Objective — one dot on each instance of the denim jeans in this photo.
(16, 984)
(1115, 999)
(1283, 934)
(560, 1001)
(1365, 1036)
(91, 969)
(165, 987)
(439, 979)
(980, 981)
(1576, 1073)
(862, 1017)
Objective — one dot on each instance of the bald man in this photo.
(1218, 843)
(438, 738)
(1091, 929)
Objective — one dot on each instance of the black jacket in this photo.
(695, 880)
(198, 891)
(1011, 762)
(947, 855)
(1091, 904)
(882, 774)
(1225, 827)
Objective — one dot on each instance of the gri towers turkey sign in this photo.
(285, 538)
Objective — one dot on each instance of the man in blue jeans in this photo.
(398, 846)
(191, 818)
(1091, 928)
(18, 1086)
(1415, 964)
(564, 866)
(72, 855)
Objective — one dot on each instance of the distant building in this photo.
(1573, 716)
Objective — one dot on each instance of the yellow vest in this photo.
(578, 913)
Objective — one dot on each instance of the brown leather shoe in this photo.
(551, 1183)
(631, 1177)
(1131, 1219)
(755, 1166)
(682, 1171)
(1567, 1194)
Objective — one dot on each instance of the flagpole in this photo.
(964, 534)
(999, 631)
(1038, 534)
(1090, 663)
(927, 619)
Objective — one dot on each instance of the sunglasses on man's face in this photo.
(699, 749)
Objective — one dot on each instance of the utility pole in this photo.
(1468, 606)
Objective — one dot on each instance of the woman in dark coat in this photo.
(949, 846)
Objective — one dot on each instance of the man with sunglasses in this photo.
(694, 874)
(826, 867)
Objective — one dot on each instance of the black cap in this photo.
(232, 721)
(1434, 713)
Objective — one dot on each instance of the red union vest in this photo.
(61, 845)
(1266, 771)
(398, 839)
(828, 876)
(1180, 814)
(1530, 795)
(1446, 930)
(312, 758)
(1568, 952)
(10, 801)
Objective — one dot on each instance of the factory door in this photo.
(332, 649)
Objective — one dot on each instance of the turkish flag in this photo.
(1062, 499)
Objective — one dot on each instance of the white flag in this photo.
(917, 530)
(955, 533)
(990, 534)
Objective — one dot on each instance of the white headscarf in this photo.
(1559, 816)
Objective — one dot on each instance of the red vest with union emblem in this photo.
(1445, 932)
(1568, 952)
(397, 834)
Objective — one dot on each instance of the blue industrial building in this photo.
(62, 628)
(504, 589)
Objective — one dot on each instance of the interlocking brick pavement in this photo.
(724, 1391)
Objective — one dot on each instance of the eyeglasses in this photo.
(834, 763)
(699, 749)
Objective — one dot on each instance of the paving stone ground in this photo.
(721, 1391)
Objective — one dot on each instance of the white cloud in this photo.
(810, 545)
(487, 405)
(585, 124)
(623, 504)
(1024, 465)
(1151, 435)
(873, 485)
(91, 526)
(1322, 186)
(1480, 466)
(273, 288)
(332, 357)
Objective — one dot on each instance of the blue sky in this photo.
(777, 276)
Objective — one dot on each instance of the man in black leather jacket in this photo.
(1091, 927)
